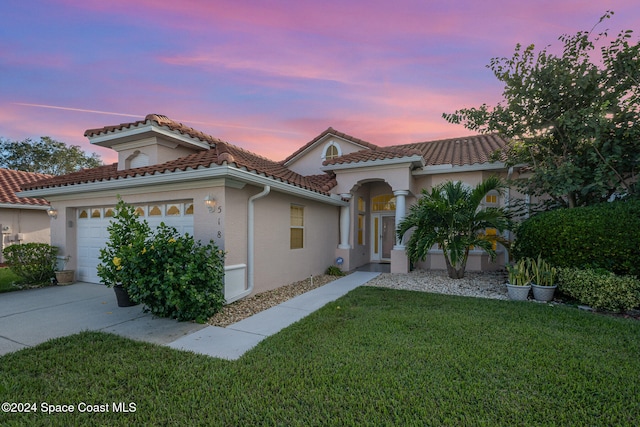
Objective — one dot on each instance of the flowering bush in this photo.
(171, 274)
(126, 230)
(177, 277)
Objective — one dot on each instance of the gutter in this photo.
(17, 206)
(160, 178)
(251, 243)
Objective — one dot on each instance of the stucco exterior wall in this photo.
(157, 149)
(311, 162)
(23, 226)
(397, 176)
(478, 260)
(275, 263)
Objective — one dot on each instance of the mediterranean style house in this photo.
(336, 200)
(22, 219)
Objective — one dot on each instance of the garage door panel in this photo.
(92, 234)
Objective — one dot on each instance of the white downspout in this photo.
(250, 240)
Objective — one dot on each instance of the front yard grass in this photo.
(374, 357)
(7, 278)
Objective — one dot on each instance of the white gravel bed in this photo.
(484, 285)
(474, 284)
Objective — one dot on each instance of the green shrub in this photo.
(600, 236)
(333, 270)
(125, 230)
(34, 262)
(175, 276)
(172, 275)
(600, 289)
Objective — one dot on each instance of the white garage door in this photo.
(92, 230)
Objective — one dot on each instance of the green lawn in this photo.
(373, 357)
(7, 277)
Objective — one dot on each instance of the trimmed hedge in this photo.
(600, 289)
(605, 236)
(34, 262)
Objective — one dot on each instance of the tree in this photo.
(451, 216)
(573, 119)
(45, 155)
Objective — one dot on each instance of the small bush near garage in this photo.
(171, 274)
(34, 262)
(601, 236)
(600, 289)
(177, 276)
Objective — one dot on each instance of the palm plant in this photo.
(451, 216)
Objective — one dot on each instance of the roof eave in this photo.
(119, 136)
(320, 140)
(415, 161)
(23, 206)
(450, 168)
(189, 175)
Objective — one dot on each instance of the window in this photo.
(297, 227)
(492, 232)
(491, 198)
(384, 202)
(173, 210)
(360, 229)
(331, 153)
(361, 219)
(155, 210)
(331, 150)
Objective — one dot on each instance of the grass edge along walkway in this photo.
(373, 357)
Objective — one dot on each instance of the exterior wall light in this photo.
(210, 202)
(52, 212)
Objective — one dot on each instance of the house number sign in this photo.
(218, 226)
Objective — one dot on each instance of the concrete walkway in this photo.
(31, 317)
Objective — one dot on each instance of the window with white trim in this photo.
(297, 227)
(492, 198)
(331, 153)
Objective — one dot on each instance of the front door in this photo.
(383, 236)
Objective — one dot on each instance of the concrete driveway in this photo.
(31, 317)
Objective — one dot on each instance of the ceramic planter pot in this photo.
(122, 296)
(65, 277)
(543, 293)
(518, 293)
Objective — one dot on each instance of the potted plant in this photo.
(519, 280)
(126, 233)
(543, 282)
(63, 277)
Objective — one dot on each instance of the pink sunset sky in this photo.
(271, 75)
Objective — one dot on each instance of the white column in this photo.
(345, 223)
(401, 211)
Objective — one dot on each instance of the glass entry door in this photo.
(383, 238)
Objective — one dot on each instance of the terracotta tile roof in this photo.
(220, 153)
(467, 150)
(381, 153)
(456, 151)
(329, 131)
(160, 120)
(11, 182)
